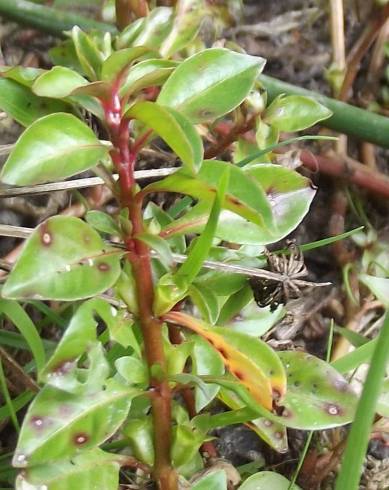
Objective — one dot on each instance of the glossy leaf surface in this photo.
(24, 106)
(244, 196)
(64, 259)
(58, 82)
(195, 87)
(295, 112)
(120, 61)
(216, 480)
(58, 423)
(88, 471)
(174, 129)
(147, 73)
(318, 396)
(88, 55)
(266, 480)
(52, 148)
(25, 75)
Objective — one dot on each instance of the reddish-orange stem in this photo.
(138, 255)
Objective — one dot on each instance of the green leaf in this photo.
(102, 222)
(185, 445)
(128, 35)
(24, 106)
(26, 327)
(206, 302)
(210, 84)
(155, 28)
(318, 397)
(216, 480)
(266, 480)
(120, 61)
(139, 433)
(186, 25)
(25, 75)
(58, 423)
(81, 334)
(147, 73)
(379, 286)
(132, 370)
(160, 246)
(87, 471)
(174, 129)
(244, 196)
(88, 55)
(295, 112)
(205, 360)
(59, 82)
(200, 250)
(64, 259)
(52, 148)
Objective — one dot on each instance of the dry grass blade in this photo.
(12, 191)
(22, 232)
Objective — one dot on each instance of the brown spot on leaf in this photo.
(80, 438)
(332, 409)
(45, 235)
(103, 267)
(222, 352)
(238, 374)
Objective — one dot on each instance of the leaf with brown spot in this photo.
(64, 259)
(318, 397)
(259, 368)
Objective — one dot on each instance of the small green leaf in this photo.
(52, 148)
(206, 302)
(120, 61)
(205, 360)
(64, 259)
(139, 433)
(59, 82)
(58, 424)
(102, 222)
(24, 106)
(87, 471)
(216, 480)
(174, 129)
(155, 28)
(195, 87)
(132, 370)
(88, 55)
(267, 480)
(186, 25)
(160, 246)
(24, 75)
(295, 112)
(147, 73)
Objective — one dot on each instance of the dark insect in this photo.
(269, 292)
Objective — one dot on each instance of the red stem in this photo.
(124, 159)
